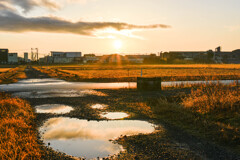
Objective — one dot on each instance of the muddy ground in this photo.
(173, 143)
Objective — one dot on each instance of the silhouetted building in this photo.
(134, 59)
(3, 56)
(217, 56)
(66, 57)
(12, 58)
(227, 57)
(26, 56)
(90, 58)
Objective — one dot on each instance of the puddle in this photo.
(90, 139)
(51, 83)
(47, 84)
(53, 108)
(58, 93)
(114, 115)
(98, 106)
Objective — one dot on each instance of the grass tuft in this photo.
(18, 139)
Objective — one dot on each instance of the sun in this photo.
(117, 44)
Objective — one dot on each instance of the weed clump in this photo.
(18, 139)
(213, 98)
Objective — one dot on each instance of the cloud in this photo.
(10, 21)
(6, 6)
(28, 5)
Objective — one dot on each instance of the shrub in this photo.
(213, 98)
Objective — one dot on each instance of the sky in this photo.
(124, 27)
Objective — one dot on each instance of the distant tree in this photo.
(210, 54)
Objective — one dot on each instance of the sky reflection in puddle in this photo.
(98, 106)
(58, 93)
(114, 115)
(90, 139)
(53, 108)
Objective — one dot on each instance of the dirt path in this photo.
(33, 73)
(186, 143)
(180, 144)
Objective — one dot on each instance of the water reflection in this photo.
(53, 108)
(98, 106)
(58, 93)
(114, 115)
(51, 83)
(90, 138)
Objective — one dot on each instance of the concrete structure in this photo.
(26, 56)
(113, 58)
(116, 58)
(90, 58)
(65, 57)
(226, 57)
(73, 54)
(46, 60)
(66, 54)
(21, 60)
(134, 59)
(62, 60)
(190, 55)
(149, 84)
(3, 56)
(210, 56)
(12, 58)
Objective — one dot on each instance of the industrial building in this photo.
(3, 56)
(216, 56)
(187, 55)
(26, 57)
(90, 58)
(65, 57)
(232, 57)
(12, 58)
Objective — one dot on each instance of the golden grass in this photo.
(12, 75)
(210, 111)
(4, 69)
(213, 98)
(88, 74)
(124, 73)
(18, 139)
(141, 108)
(102, 66)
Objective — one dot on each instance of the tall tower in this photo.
(34, 54)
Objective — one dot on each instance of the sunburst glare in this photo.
(117, 44)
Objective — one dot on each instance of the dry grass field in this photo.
(4, 69)
(18, 138)
(124, 73)
(12, 75)
(209, 111)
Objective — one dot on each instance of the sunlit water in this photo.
(58, 93)
(114, 115)
(53, 108)
(98, 106)
(49, 84)
(90, 139)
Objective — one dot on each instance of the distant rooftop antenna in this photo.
(34, 54)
